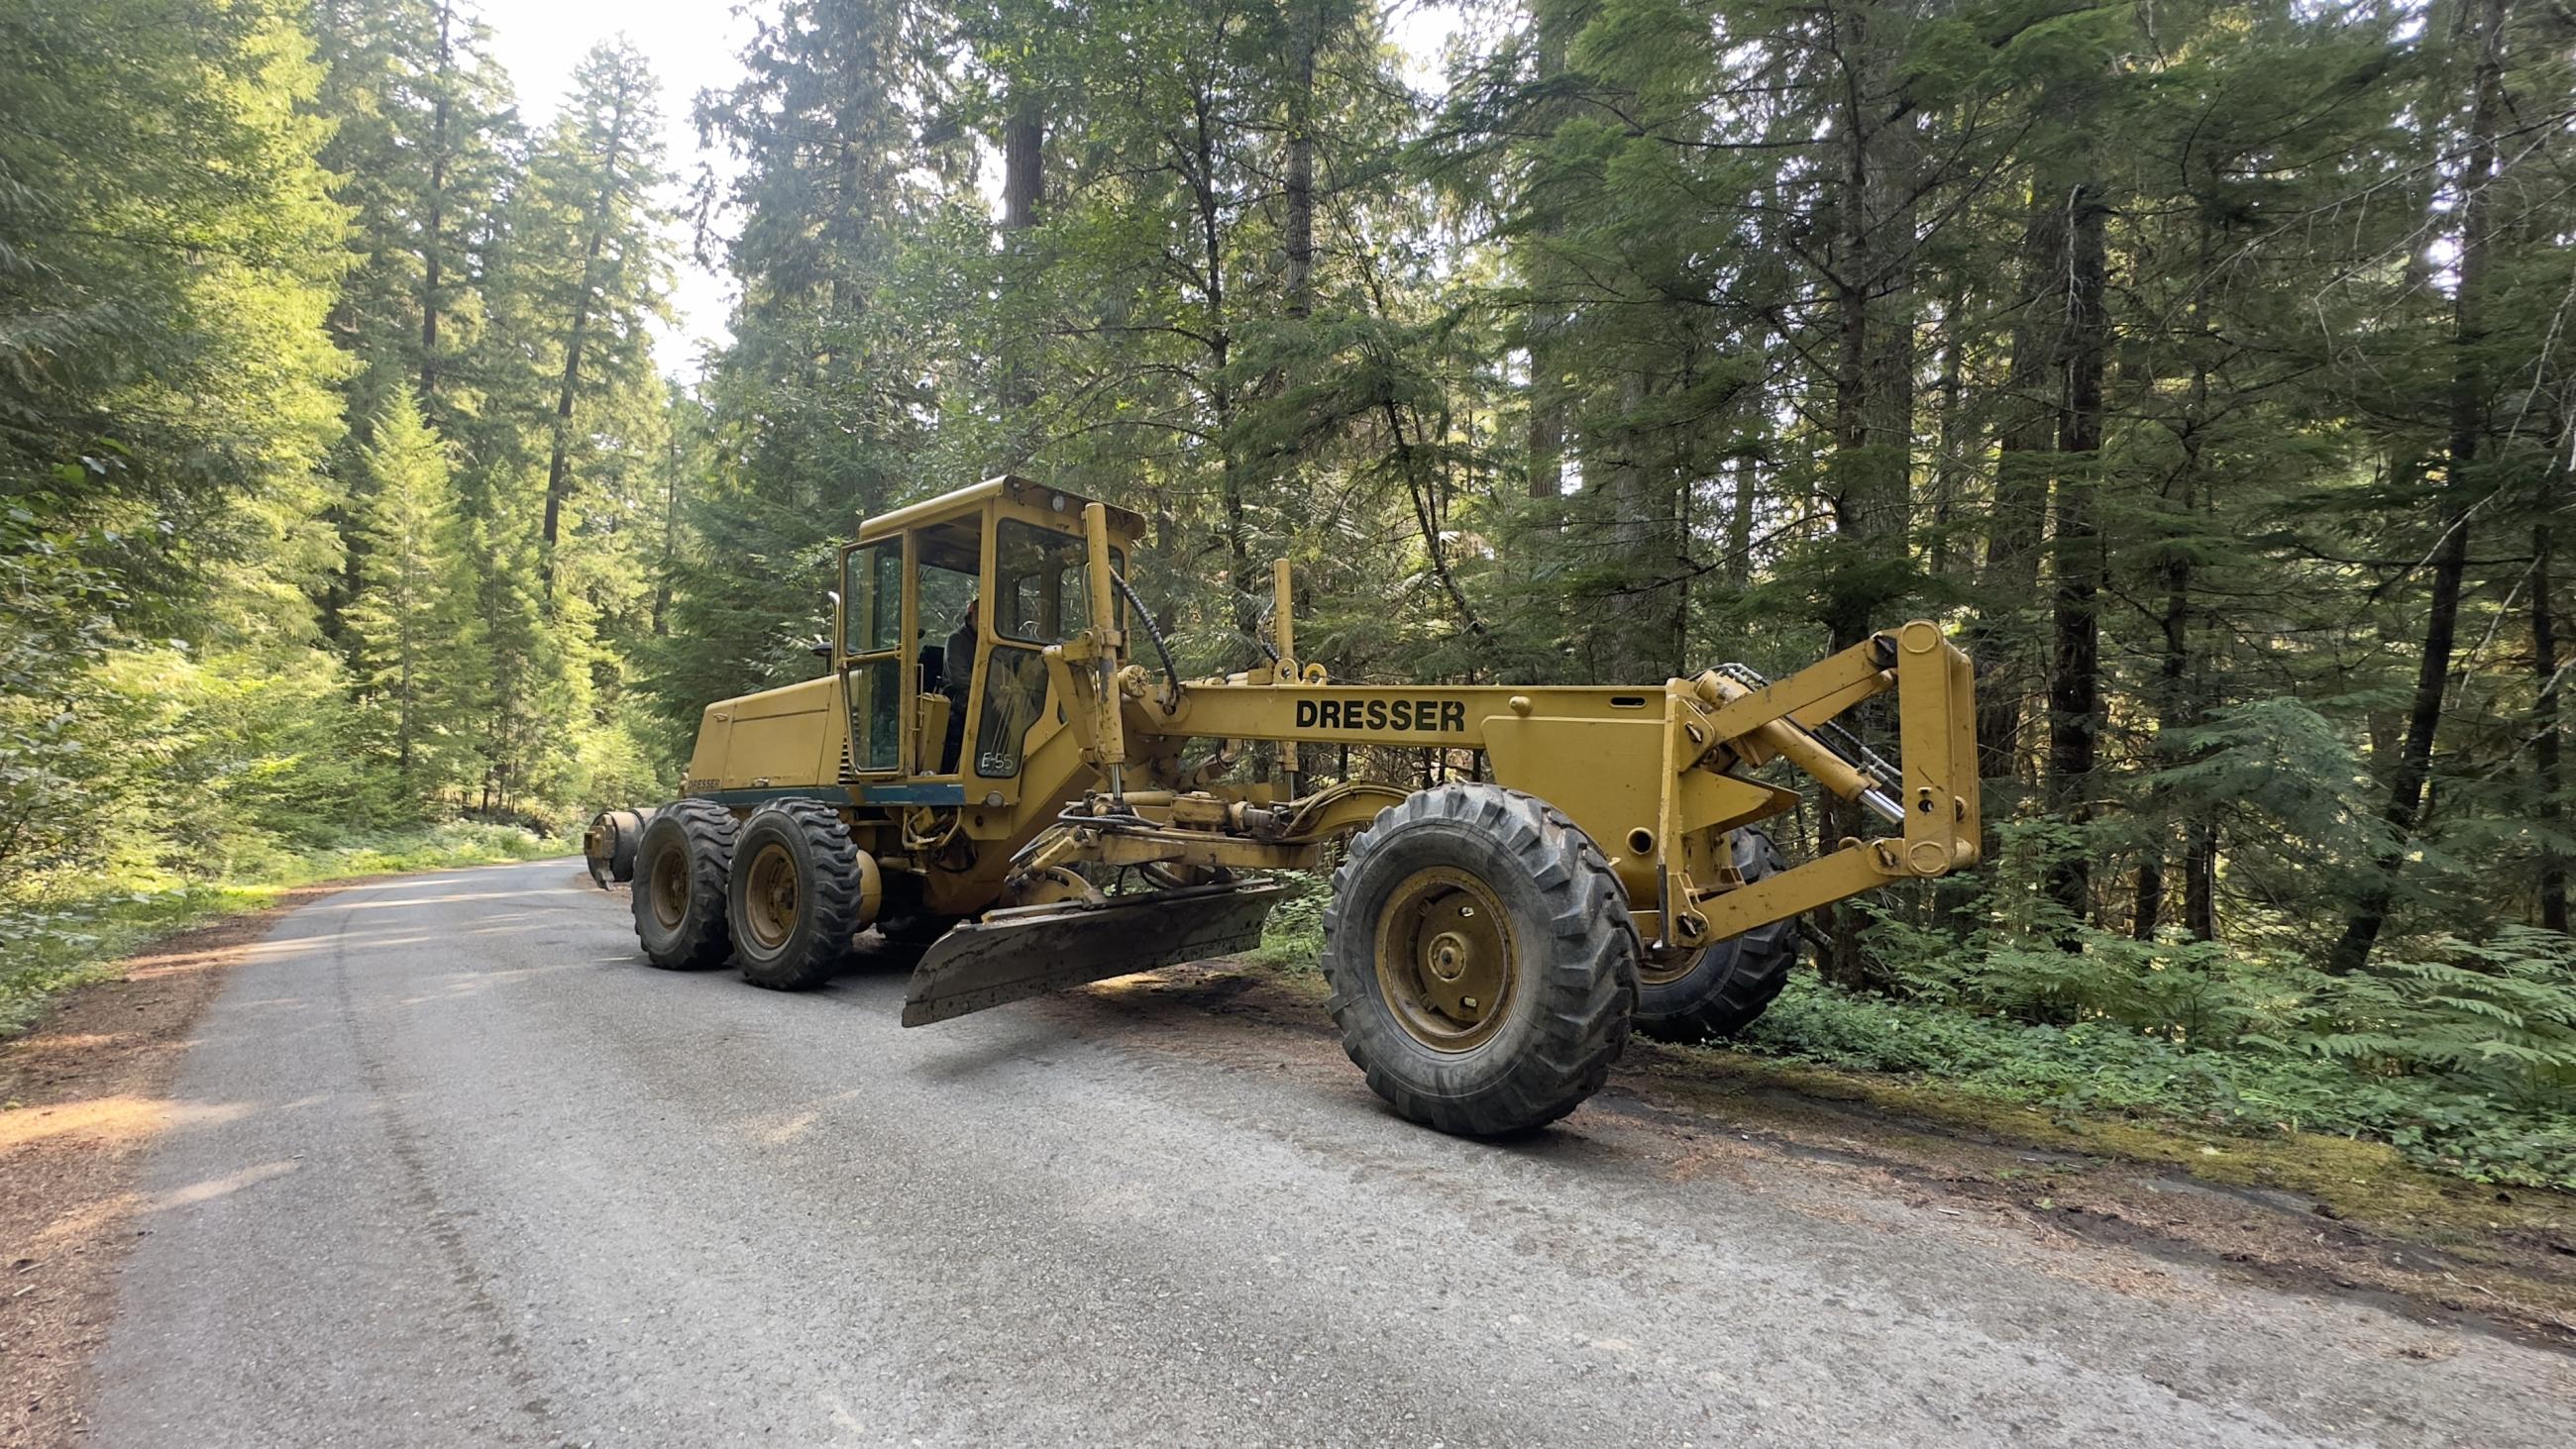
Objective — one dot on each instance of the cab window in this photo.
(951, 562)
(1037, 583)
(1039, 587)
(871, 630)
(1015, 691)
(872, 599)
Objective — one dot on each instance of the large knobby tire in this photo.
(793, 898)
(1483, 965)
(679, 892)
(1720, 990)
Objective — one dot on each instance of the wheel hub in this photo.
(1449, 955)
(770, 897)
(1658, 967)
(670, 888)
(1446, 959)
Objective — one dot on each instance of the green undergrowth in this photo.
(69, 932)
(2358, 1179)
(2461, 1127)
(1292, 940)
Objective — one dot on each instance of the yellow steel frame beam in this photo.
(1701, 730)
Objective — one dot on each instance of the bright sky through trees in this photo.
(692, 45)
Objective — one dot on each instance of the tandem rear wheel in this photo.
(681, 865)
(798, 890)
(1482, 963)
(780, 893)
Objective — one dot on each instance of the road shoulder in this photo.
(83, 1098)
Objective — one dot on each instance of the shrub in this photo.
(2448, 1121)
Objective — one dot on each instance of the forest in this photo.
(2204, 369)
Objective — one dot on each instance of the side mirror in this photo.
(821, 650)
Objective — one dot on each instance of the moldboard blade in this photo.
(1012, 955)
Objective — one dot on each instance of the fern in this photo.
(2501, 1012)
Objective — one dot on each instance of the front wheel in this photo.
(1719, 989)
(1483, 965)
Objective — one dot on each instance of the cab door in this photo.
(872, 662)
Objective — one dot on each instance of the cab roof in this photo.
(1009, 488)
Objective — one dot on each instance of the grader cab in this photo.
(988, 769)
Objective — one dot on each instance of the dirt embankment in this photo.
(82, 1098)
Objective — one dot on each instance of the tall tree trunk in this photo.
(2177, 708)
(1873, 410)
(2200, 878)
(1298, 286)
(1548, 393)
(1949, 470)
(2074, 680)
(1023, 192)
(433, 244)
(1023, 161)
(1236, 538)
(2451, 553)
(2000, 636)
(559, 461)
(1640, 537)
(1546, 440)
(1740, 475)
(2173, 713)
(2545, 740)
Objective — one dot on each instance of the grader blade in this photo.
(1014, 954)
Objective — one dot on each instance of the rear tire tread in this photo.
(827, 895)
(706, 832)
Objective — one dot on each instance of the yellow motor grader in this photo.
(986, 769)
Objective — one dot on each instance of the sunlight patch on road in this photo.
(110, 1119)
(777, 1129)
(215, 1187)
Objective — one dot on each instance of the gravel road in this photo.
(456, 1168)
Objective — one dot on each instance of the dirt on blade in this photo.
(82, 1099)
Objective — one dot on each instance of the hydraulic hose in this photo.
(1145, 616)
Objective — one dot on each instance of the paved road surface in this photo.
(462, 1171)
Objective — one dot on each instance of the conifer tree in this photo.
(407, 620)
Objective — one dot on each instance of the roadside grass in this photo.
(73, 932)
(2110, 1073)
(2356, 1179)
